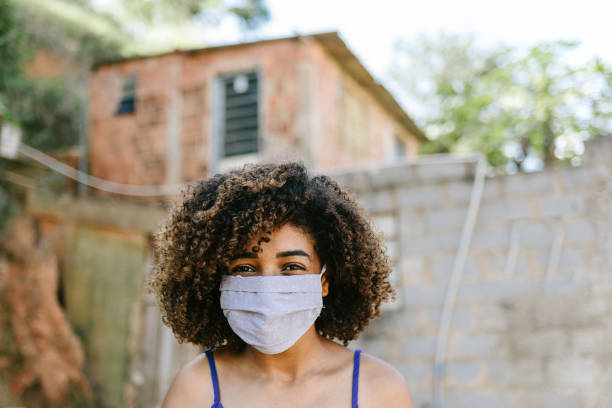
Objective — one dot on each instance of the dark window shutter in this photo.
(127, 104)
(241, 114)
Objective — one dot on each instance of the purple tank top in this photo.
(215, 380)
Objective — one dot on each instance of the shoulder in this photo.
(382, 385)
(192, 385)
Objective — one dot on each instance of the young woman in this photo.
(273, 272)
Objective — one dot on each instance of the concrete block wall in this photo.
(531, 323)
(529, 329)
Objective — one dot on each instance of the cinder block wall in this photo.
(523, 334)
(526, 331)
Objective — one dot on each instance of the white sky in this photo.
(371, 27)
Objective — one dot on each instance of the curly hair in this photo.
(218, 216)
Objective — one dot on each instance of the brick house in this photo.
(182, 115)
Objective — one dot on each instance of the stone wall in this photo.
(531, 323)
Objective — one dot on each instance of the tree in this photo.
(250, 13)
(521, 109)
(81, 32)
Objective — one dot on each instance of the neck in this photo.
(292, 363)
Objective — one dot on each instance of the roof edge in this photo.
(338, 50)
(197, 50)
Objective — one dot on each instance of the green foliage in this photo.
(250, 13)
(168, 10)
(47, 112)
(71, 31)
(521, 109)
(12, 50)
(12, 45)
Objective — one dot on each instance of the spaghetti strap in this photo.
(356, 378)
(213, 376)
(215, 380)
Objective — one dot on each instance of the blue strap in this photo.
(215, 381)
(213, 375)
(356, 378)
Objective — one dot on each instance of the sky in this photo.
(370, 28)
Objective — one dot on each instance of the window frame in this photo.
(127, 94)
(221, 99)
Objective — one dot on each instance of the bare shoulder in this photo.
(192, 386)
(382, 385)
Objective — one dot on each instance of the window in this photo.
(127, 104)
(240, 114)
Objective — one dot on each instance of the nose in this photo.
(270, 270)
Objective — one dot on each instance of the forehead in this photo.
(286, 237)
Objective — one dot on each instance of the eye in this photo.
(292, 267)
(243, 269)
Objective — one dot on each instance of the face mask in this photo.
(271, 313)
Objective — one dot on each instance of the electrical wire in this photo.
(455, 279)
(98, 183)
(174, 189)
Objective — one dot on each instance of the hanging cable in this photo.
(455, 279)
(98, 183)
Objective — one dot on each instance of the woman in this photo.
(267, 266)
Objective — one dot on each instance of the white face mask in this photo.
(271, 313)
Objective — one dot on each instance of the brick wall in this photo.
(307, 111)
(531, 325)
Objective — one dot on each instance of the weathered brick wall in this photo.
(340, 121)
(526, 331)
(305, 113)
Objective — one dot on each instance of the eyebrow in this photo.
(251, 255)
(293, 253)
(248, 255)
